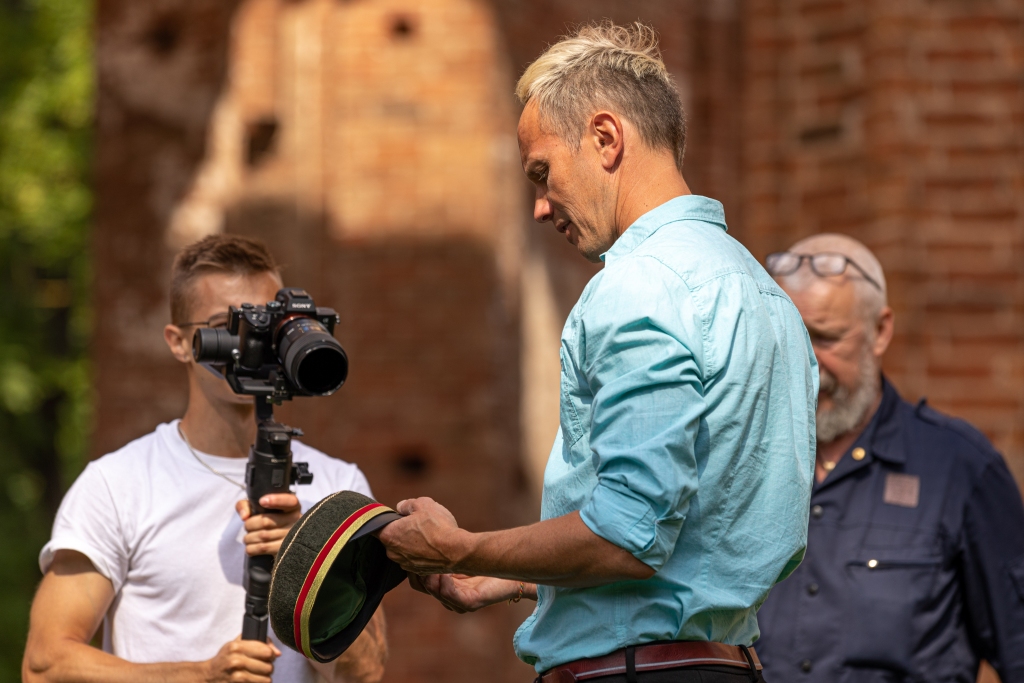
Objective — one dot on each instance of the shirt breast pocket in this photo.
(885, 593)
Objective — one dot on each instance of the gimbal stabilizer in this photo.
(273, 353)
(270, 470)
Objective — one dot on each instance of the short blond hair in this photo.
(605, 65)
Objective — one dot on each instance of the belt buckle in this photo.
(557, 676)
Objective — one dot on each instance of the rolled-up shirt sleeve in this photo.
(645, 372)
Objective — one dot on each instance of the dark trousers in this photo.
(692, 674)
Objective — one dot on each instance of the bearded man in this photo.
(915, 556)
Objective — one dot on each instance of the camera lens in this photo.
(313, 360)
(213, 345)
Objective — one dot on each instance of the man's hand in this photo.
(424, 541)
(265, 532)
(461, 593)
(242, 661)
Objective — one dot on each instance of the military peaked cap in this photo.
(331, 574)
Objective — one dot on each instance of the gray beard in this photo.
(849, 406)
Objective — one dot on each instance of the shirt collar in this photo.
(886, 438)
(687, 207)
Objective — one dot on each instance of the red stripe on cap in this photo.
(321, 556)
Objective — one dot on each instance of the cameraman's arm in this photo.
(364, 661)
(67, 611)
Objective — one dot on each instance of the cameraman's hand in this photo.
(265, 532)
(242, 661)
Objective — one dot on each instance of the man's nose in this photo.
(541, 208)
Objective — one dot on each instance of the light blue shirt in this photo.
(687, 437)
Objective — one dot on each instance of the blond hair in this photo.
(605, 65)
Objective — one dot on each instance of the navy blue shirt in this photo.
(915, 561)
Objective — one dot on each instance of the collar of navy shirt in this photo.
(881, 439)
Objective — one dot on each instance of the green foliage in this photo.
(46, 104)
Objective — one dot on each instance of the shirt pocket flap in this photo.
(884, 593)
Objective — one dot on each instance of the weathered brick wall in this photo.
(157, 87)
(899, 122)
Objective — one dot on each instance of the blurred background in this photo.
(372, 144)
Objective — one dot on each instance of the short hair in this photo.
(605, 65)
(214, 254)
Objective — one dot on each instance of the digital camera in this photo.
(283, 349)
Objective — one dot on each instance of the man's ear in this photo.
(605, 133)
(179, 343)
(884, 328)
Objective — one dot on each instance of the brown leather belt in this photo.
(653, 657)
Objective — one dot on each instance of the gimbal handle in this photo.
(269, 470)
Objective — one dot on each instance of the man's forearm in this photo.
(81, 663)
(556, 552)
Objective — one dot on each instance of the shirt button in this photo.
(812, 589)
(805, 666)
(817, 511)
(858, 453)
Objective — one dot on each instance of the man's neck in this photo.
(654, 181)
(226, 430)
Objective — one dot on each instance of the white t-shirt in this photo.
(164, 530)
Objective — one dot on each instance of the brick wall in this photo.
(899, 122)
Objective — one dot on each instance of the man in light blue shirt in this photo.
(677, 491)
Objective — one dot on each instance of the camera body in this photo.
(283, 349)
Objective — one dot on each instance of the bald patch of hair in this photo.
(231, 254)
(871, 301)
(605, 66)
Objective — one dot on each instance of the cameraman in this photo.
(147, 539)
